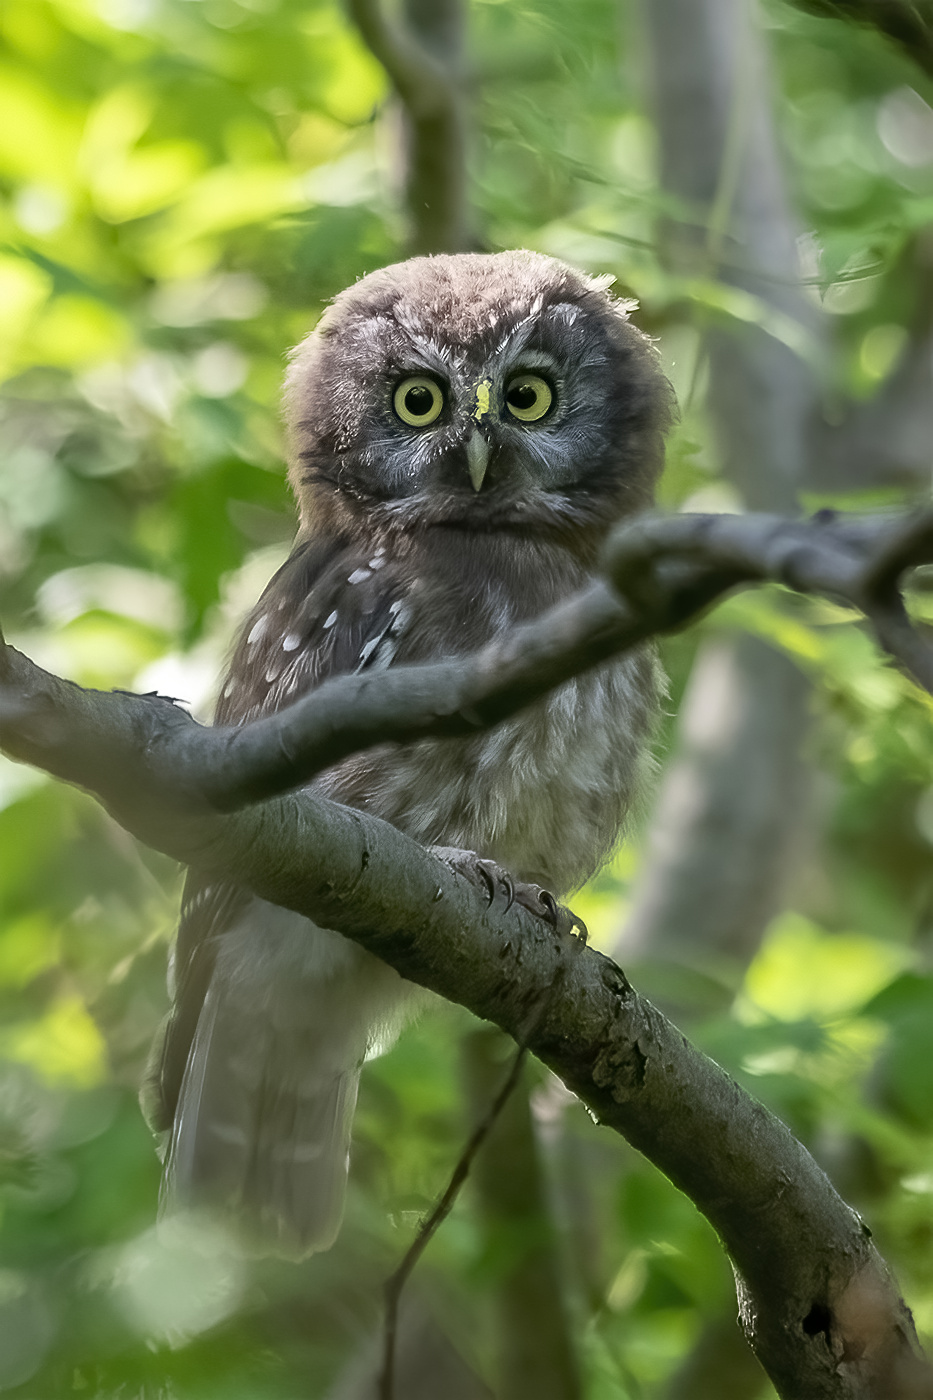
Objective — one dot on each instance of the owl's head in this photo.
(481, 391)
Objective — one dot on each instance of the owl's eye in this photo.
(528, 397)
(418, 401)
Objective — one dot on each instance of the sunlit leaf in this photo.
(802, 971)
(64, 1045)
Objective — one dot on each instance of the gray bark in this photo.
(736, 797)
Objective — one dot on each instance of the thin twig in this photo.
(853, 559)
(432, 1223)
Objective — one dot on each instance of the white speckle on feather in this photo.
(257, 629)
(377, 561)
(358, 576)
(291, 642)
(272, 675)
(329, 621)
(367, 650)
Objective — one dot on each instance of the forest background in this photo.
(183, 186)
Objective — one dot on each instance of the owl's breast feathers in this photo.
(545, 792)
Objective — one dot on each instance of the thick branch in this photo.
(809, 1275)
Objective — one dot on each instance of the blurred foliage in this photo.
(183, 185)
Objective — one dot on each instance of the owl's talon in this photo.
(493, 876)
(564, 920)
(490, 877)
(550, 904)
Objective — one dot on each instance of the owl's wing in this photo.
(330, 610)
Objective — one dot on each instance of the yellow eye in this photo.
(418, 401)
(528, 397)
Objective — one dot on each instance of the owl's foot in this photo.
(497, 883)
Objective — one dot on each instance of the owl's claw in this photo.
(563, 919)
(488, 879)
(492, 877)
(550, 904)
(491, 874)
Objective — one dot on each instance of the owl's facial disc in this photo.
(515, 399)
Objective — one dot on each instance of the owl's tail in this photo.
(263, 1132)
(262, 1125)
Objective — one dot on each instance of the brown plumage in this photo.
(463, 432)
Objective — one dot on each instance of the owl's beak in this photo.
(477, 451)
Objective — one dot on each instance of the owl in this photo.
(463, 431)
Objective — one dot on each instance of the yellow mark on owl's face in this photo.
(483, 390)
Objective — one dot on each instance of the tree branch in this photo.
(434, 1220)
(818, 1304)
(422, 56)
(803, 1257)
(666, 571)
(419, 79)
